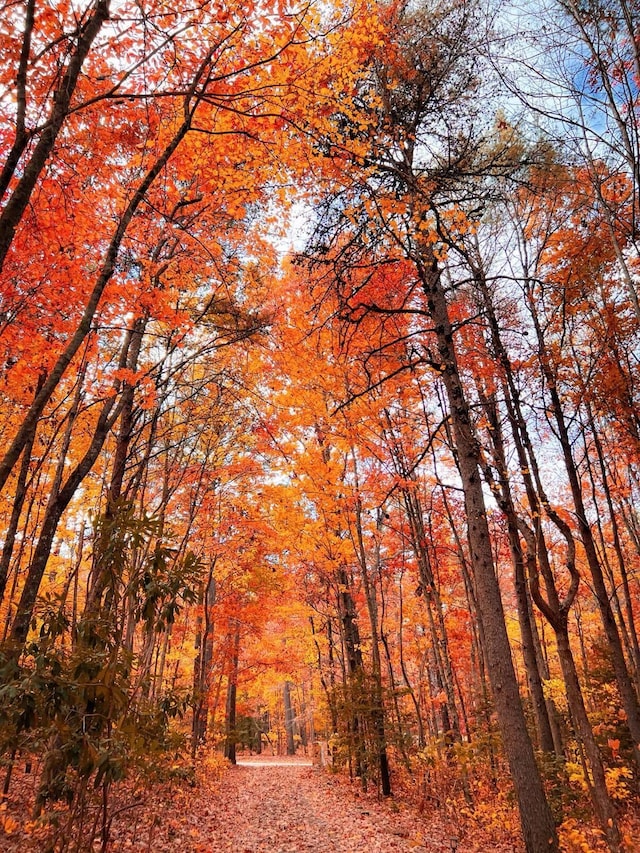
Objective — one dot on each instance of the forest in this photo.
(320, 408)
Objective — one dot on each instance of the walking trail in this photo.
(289, 807)
(264, 805)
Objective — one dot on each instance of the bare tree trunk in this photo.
(289, 717)
(377, 704)
(502, 493)
(55, 509)
(535, 815)
(625, 685)
(231, 734)
(202, 665)
(617, 547)
(18, 503)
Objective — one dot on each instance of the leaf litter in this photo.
(256, 807)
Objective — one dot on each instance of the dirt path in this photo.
(277, 808)
(261, 806)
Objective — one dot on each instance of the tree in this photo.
(403, 192)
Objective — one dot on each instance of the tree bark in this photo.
(535, 815)
(231, 734)
(502, 493)
(288, 718)
(55, 509)
(625, 684)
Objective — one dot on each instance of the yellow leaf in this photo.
(10, 825)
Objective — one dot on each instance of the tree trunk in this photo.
(502, 493)
(617, 547)
(202, 664)
(231, 734)
(535, 815)
(289, 717)
(377, 704)
(55, 509)
(353, 676)
(625, 685)
(602, 805)
(18, 503)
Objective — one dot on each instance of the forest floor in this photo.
(262, 805)
(266, 805)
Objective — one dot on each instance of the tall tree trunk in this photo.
(230, 726)
(377, 704)
(102, 574)
(202, 664)
(18, 504)
(289, 717)
(535, 815)
(55, 509)
(617, 545)
(354, 671)
(556, 611)
(602, 804)
(502, 493)
(625, 685)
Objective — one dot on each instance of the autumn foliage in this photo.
(319, 406)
